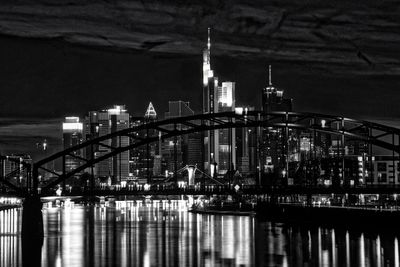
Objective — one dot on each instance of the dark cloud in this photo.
(352, 35)
(21, 136)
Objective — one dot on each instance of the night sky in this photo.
(66, 57)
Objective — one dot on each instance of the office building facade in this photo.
(72, 129)
(176, 149)
(100, 123)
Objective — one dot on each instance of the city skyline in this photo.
(333, 52)
(30, 131)
(316, 90)
(57, 77)
(199, 133)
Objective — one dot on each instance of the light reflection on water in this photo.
(167, 235)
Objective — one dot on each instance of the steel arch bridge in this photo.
(372, 133)
(6, 179)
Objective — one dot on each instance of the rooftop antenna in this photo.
(208, 39)
(269, 75)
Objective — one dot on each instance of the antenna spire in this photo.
(269, 75)
(208, 39)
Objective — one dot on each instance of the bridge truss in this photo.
(12, 178)
(374, 134)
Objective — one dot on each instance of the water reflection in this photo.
(163, 234)
(10, 244)
(316, 246)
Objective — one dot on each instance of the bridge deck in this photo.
(229, 190)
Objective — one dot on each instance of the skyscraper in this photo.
(225, 139)
(152, 159)
(187, 147)
(219, 152)
(274, 156)
(99, 123)
(246, 147)
(72, 136)
(272, 97)
(150, 114)
(145, 160)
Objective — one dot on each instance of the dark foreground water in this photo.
(161, 234)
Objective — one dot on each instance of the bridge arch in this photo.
(376, 134)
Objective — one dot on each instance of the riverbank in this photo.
(355, 217)
(223, 212)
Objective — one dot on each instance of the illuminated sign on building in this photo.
(72, 124)
(116, 110)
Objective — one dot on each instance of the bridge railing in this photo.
(233, 189)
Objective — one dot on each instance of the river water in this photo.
(166, 234)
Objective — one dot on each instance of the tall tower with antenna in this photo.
(209, 81)
(269, 75)
(219, 152)
(272, 97)
(273, 159)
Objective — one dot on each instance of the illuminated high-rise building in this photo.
(272, 97)
(246, 146)
(219, 145)
(185, 146)
(274, 154)
(151, 114)
(152, 155)
(72, 136)
(207, 71)
(145, 160)
(225, 139)
(99, 123)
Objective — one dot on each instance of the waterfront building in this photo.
(99, 123)
(385, 169)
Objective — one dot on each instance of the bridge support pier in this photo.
(32, 220)
(32, 231)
